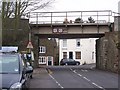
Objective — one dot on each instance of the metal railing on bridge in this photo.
(72, 17)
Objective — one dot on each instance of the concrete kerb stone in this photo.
(40, 70)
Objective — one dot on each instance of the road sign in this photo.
(57, 30)
(30, 45)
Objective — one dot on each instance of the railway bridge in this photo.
(71, 24)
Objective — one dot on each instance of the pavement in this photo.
(41, 79)
(40, 70)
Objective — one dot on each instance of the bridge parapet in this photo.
(72, 17)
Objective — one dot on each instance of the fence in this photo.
(102, 16)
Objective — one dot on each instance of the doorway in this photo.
(50, 61)
(70, 55)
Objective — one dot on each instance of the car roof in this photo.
(10, 53)
(9, 49)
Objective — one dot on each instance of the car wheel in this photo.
(77, 64)
(66, 64)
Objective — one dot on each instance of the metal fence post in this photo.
(36, 18)
(51, 19)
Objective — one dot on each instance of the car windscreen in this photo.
(9, 64)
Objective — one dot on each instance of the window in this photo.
(64, 55)
(77, 42)
(42, 60)
(42, 49)
(9, 63)
(78, 55)
(64, 42)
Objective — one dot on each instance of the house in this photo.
(47, 52)
(82, 50)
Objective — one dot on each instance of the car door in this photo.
(72, 62)
(68, 62)
(25, 76)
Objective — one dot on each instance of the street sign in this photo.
(57, 30)
(30, 45)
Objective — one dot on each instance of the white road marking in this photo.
(92, 67)
(74, 71)
(56, 81)
(97, 85)
(87, 79)
(80, 75)
(84, 70)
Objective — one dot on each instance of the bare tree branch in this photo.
(23, 7)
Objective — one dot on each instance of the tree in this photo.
(91, 20)
(13, 10)
(22, 7)
(78, 20)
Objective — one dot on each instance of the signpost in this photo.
(29, 47)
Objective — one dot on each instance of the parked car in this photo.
(69, 62)
(14, 72)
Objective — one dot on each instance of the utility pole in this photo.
(29, 47)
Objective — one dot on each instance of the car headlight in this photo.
(16, 86)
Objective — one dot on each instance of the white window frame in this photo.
(64, 44)
(42, 60)
(42, 49)
(50, 58)
(65, 55)
(76, 57)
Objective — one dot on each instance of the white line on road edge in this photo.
(56, 81)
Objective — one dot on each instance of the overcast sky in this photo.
(81, 5)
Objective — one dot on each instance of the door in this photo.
(50, 60)
(70, 55)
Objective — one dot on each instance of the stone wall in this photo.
(108, 52)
